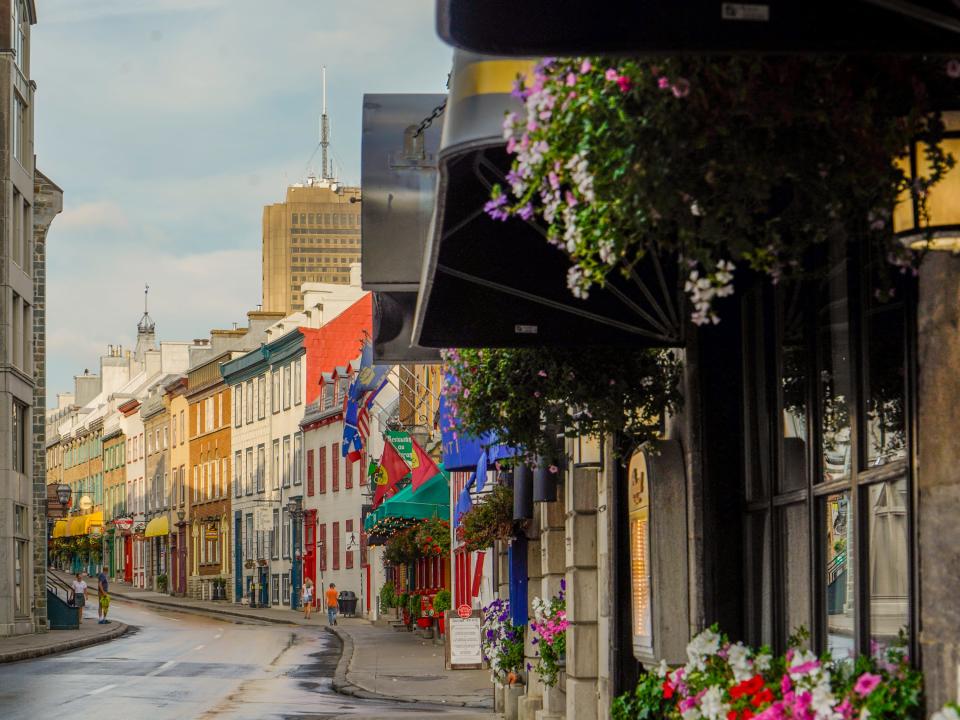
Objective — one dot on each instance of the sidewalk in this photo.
(382, 663)
(24, 647)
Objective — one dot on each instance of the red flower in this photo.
(764, 696)
(667, 690)
(624, 82)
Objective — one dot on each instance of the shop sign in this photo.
(401, 440)
(464, 611)
(123, 524)
(211, 533)
(463, 640)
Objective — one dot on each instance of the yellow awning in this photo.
(60, 529)
(93, 520)
(77, 526)
(158, 527)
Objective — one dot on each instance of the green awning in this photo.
(432, 500)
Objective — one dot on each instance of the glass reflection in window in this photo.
(834, 361)
(795, 373)
(889, 578)
(839, 566)
(884, 373)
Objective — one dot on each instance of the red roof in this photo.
(336, 343)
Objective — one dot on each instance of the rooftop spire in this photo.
(324, 131)
(146, 324)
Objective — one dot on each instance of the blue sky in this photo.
(170, 123)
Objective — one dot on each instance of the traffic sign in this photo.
(464, 611)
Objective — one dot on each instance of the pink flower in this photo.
(542, 373)
(865, 684)
(585, 67)
(624, 82)
(663, 83)
(953, 68)
(785, 684)
(611, 75)
(681, 88)
(571, 79)
(553, 469)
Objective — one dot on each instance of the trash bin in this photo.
(347, 603)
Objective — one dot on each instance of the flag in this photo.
(370, 377)
(423, 467)
(393, 468)
(481, 472)
(464, 503)
(356, 417)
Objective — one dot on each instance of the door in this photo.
(128, 559)
(264, 587)
(310, 549)
(237, 557)
(182, 563)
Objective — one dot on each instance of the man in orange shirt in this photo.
(332, 604)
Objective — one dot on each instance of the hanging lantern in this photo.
(588, 451)
(940, 229)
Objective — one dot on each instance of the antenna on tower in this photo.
(324, 131)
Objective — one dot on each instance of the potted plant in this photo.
(489, 520)
(388, 597)
(549, 626)
(162, 582)
(402, 612)
(413, 610)
(248, 564)
(441, 603)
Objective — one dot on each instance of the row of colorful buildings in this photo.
(213, 468)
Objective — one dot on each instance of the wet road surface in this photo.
(180, 666)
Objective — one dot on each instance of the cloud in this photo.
(101, 214)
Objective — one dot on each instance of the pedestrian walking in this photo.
(103, 597)
(79, 594)
(307, 598)
(332, 604)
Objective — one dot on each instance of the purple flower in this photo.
(571, 79)
(563, 583)
(526, 212)
(495, 208)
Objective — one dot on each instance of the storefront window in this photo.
(838, 582)
(833, 340)
(888, 549)
(795, 553)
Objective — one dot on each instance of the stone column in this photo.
(580, 492)
(47, 203)
(937, 479)
(553, 565)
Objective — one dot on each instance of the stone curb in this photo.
(342, 685)
(35, 652)
(212, 612)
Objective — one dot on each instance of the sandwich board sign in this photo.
(462, 641)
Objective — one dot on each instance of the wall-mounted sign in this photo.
(638, 507)
(85, 503)
(123, 524)
(211, 533)
(463, 641)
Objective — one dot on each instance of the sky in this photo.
(169, 124)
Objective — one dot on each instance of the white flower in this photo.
(700, 648)
(738, 656)
(947, 713)
(691, 714)
(823, 702)
(662, 669)
(712, 705)
(762, 663)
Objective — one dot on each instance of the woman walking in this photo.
(79, 594)
(307, 598)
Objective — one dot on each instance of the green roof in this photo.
(431, 500)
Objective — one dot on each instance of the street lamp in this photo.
(63, 493)
(293, 507)
(181, 514)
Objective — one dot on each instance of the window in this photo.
(250, 401)
(347, 472)
(20, 578)
(322, 461)
(285, 542)
(335, 466)
(297, 382)
(208, 414)
(19, 110)
(322, 546)
(251, 470)
(262, 397)
(195, 490)
(286, 387)
(275, 398)
(18, 437)
(275, 592)
(336, 546)
(183, 431)
(348, 552)
(298, 459)
(238, 406)
(173, 423)
(261, 466)
(286, 461)
(275, 536)
(310, 472)
(182, 481)
(248, 537)
(293, 219)
(237, 474)
(197, 432)
(285, 594)
(19, 34)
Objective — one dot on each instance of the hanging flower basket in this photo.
(728, 162)
(489, 520)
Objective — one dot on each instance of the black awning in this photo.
(566, 27)
(500, 284)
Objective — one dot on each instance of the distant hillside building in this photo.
(313, 236)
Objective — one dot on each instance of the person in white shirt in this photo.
(79, 593)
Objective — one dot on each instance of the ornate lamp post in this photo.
(293, 507)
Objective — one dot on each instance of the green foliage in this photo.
(413, 606)
(433, 538)
(442, 602)
(401, 548)
(644, 703)
(388, 597)
(516, 392)
(490, 519)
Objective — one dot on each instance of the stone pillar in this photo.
(606, 584)
(937, 479)
(502, 591)
(553, 565)
(582, 594)
(47, 203)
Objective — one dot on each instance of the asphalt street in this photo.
(175, 665)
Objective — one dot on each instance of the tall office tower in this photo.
(313, 236)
